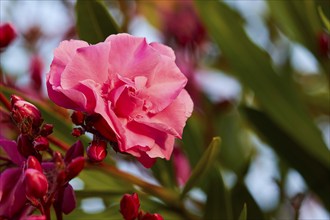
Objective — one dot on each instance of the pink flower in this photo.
(135, 87)
(181, 167)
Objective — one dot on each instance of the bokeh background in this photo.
(262, 161)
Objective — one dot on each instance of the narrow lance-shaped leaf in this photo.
(218, 203)
(275, 94)
(203, 165)
(314, 172)
(243, 215)
(94, 22)
(324, 18)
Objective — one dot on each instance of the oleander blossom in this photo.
(136, 87)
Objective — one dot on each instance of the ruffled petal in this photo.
(173, 118)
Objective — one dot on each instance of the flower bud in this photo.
(14, 99)
(77, 132)
(149, 216)
(74, 168)
(36, 185)
(76, 150)
(324, 44)
(24, 145)
(36, 66)
(33, 163)
(46, 130)
(36, 217)
(129, 206)
(41, 143)
(7, 35)
(97, 151)
(78, 118)
(25, 115)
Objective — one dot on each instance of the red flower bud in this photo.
(78, 118)
(36, 217)
(97, 151)
(46, 130)
(76, 150)
(77, 132)
(7, 35)
(74, 168)
(324, 44)
(41, 143)
(33, 163)
(129, 206)
(14, 99)
(149, 216)
(36, 185)
(25, 115)
(24, 145)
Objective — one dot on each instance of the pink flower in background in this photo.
(135, 87)
(182, 167)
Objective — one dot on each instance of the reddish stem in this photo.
(58, 143)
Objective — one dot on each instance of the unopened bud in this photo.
(41, 143)
(36, 185)
(36, 217)
(78, 118)
(324, 44)
(24, 145)
(25, 115)
(149, 216)
(77, 132)
(33, 163)
(76, 150)
(129, 206)
(46, 130)
(7, 35)
(97, 151)
(74, 168)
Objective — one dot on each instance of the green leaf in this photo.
(240, 195)
(314, 172)
(243, 215)
(253, 66)
(218, 203)
(298, 20)
(164, 172)
(325, 20)
(203, 165)
(94, 22)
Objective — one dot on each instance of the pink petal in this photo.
(69, 200)
(62, 56)
(10, 147)
(89, 63)
(12, 192)
(164, 50)
(173, 118)
(154, 142)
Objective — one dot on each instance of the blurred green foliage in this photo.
(282, 111)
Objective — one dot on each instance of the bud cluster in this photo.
(33, 135)
(38, 182)
(95, 124)
(129, 208)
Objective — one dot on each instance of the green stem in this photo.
(168, 196)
